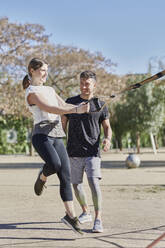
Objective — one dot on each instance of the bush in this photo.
(20, 127)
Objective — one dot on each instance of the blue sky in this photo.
(129, 32)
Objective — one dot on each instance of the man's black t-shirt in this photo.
(84, 130)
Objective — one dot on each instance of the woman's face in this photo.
(39, 76)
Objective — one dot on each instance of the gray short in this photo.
(91, 165)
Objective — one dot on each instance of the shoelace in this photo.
(97, 222)
(43, 184)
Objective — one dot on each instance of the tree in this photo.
(66, 63)
(143, 109)
(20, 43)
(158, 110)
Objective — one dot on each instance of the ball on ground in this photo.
(132, 161)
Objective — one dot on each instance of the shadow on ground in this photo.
(25, 165)
(104, 164)
(121, 164)
(115, 239)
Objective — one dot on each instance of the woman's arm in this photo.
(40, 101)
(61, 102)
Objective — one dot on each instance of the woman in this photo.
(46, 107)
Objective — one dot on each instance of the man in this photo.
(84, 149)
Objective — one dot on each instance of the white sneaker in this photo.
(98, 227)
(84, 217)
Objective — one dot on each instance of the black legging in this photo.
(53, 152)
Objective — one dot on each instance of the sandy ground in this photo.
(133, 205)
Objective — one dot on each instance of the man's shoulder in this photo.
(104, 111)
(101, 101)
(97, 101)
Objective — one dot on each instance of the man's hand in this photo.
(106, 144)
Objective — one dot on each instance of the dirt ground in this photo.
(133, 205)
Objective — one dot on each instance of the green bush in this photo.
(22, 126)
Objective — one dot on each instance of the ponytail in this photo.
(25, 82)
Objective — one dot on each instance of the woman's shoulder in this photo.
(48, 88)
(39, 89)
(29, 89)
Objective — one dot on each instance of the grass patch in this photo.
(155, 189)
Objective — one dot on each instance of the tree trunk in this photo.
(31, 148)
(138, 142)
(156, 142)
(120, 145)
(32, 151)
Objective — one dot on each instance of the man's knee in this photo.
(77, 187)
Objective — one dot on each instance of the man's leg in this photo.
(77, 171)
(94, 175)
(97, 202)
(96, 195)
(80, 196)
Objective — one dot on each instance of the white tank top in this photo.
(48, 94)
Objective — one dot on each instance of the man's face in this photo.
(87, 86)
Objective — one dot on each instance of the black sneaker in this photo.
(72, 223)
(39, 185)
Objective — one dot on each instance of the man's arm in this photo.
(107, 134)
(64, 121)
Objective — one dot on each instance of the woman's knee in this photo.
(55, 165)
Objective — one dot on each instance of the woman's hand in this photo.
(83, 108)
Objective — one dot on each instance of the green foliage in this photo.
(140, 111)
(21, 125)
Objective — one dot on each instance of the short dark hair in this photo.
(88, 74)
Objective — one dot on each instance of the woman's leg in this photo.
(65, 187)
(53, 152)
(45, 148)
(64, 177)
